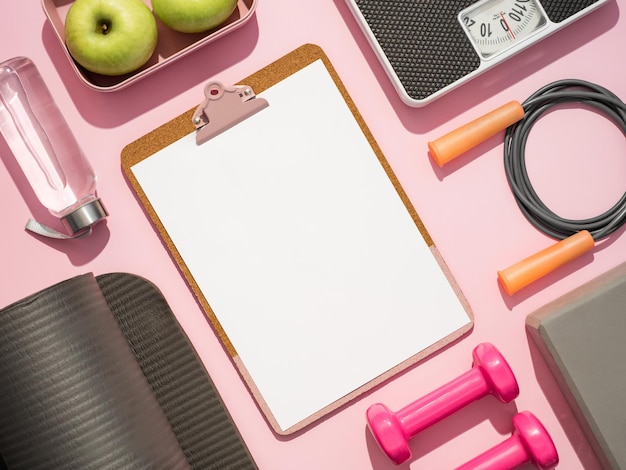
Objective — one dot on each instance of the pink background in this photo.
(575, 158)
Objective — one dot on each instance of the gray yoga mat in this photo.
(95, 373)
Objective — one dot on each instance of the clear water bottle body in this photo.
(45, 147)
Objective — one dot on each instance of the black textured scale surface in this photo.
(425, 43)
(559, 10)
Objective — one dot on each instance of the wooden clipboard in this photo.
(181, 126)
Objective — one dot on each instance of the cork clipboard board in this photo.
(322, 320)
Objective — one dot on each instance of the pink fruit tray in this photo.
(172, 45)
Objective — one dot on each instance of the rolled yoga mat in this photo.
(96, 373)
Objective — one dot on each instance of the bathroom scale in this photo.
(429, 47)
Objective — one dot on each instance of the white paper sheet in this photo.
(302, 247)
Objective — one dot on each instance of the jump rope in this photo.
(575, 237)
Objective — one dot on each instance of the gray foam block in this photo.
(581, 336)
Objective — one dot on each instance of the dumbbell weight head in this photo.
(496, 371)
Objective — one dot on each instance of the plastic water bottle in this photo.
(46, 151)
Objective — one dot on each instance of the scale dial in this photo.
(495, 26)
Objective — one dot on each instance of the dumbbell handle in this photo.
(443, 401)
(507, 455)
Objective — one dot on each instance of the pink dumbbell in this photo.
(530, 443)
(490, 374)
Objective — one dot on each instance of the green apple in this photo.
(110, 37)
(193, 16)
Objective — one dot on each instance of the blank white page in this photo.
(302, 247)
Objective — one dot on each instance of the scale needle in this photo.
(507, 25)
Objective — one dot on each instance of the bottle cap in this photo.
(84, 216)
(77, 223)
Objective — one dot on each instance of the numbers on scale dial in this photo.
(497, 25)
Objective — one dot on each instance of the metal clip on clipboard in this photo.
(224, 107)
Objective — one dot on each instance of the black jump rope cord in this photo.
(537, 213)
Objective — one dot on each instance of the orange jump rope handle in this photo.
(538, 265)
(460, 140)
